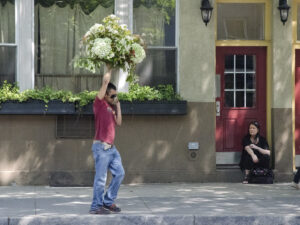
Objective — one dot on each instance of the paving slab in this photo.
(176, 203)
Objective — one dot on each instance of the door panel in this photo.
(242, 99)
(297, 106)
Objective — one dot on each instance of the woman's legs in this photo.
(264, 162)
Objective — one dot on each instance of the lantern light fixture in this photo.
(284, 10)
(206, 11)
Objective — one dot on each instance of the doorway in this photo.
(240, 98)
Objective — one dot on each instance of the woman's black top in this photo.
(246, 160)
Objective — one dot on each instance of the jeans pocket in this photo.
(97, 147)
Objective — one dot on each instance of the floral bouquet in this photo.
(113, 44)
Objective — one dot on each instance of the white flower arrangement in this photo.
(113, 44)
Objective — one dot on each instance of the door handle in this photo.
(218, 108)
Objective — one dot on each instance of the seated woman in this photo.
(256, 153)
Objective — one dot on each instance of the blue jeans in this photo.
(104, 160)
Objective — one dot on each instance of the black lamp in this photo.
(284, 10)
(206, 11)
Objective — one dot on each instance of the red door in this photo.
(241, 94)
(297, 105)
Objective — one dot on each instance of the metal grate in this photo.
(81, 126)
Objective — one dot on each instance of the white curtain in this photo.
(149, 23)
(61, 31)
(7, 35)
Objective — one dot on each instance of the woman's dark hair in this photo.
(256, 124)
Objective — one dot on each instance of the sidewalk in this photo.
(187, 204)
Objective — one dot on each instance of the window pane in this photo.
(229, 81)
(243, 21)
(155, 22)
(229, 62)
(229, 102)
(158, 68)
(240, 82)
(250, 99)
(59, 29)
(240, 99)
(240, 62)
(7, 64)
(7, 22)
(250, 81)
(250, 63)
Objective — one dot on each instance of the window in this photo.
(68, 126)
(155, 22)
(240, 21)
(240, 82)
(8, 47)
(59, 28)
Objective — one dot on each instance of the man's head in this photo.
(111, 93)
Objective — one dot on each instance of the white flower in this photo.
(129, 38)
(87, 34)
(102, 47)
(95, 28)
(123, 26)
(139, 53)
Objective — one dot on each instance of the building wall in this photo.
(282, 94)
(197, 54)
(153, 149)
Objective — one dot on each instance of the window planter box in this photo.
(36, 107)
(56, 107)
(145, 108)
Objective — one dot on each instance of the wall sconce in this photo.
(206, 11)
(284, 10)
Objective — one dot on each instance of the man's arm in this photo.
(105, 81)
(118, 117)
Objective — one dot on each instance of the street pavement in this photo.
(175, 203)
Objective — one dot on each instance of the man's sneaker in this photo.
(295, 185)
(100, 211)
(113, 208)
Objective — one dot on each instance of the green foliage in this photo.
(85, 97)
(10, 92)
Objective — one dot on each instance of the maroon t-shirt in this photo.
(104, 121)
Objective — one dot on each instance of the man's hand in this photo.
(118, 117)
(108, 66)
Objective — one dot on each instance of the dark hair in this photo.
(110, 86)
(256, 124)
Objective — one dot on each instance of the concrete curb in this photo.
(103, 220)
(151, 220)
(247, 220)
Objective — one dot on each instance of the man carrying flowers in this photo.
(114, 45)
(107, 112)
